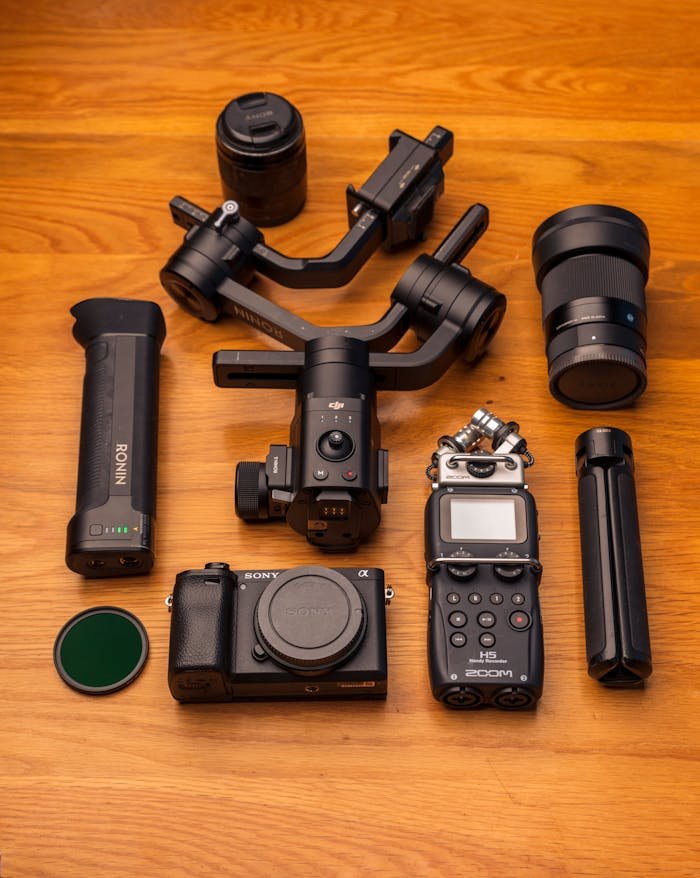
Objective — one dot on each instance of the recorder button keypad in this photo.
(487, 639)
(474, 598)
(496, 598)
(517, 599)
(486, 620)
(453, 598)
(458, 639)
(457, 619)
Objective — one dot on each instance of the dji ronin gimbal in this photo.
(332, 478)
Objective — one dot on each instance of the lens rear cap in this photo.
(101, 650)
(310, 619)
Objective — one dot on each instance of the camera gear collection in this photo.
(316, 632)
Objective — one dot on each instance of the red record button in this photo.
(349, 475)
(520, 620)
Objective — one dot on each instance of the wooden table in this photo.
(107, 110)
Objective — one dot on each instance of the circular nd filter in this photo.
(101, 650)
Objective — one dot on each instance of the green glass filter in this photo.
(101, 650)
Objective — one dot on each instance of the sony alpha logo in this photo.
(121, 460)
(308, 611)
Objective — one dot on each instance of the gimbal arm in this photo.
(335, 269)
(291, 330)
(394, 207)
(454, 313)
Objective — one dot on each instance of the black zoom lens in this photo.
(591, 266)
(261, 147)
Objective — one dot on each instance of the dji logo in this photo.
(336, 405)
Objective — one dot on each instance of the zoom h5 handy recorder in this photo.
(484, 629)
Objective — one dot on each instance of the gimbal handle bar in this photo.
(393, 207)
(451, 311)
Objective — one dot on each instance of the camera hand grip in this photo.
(111, 532)
(617, 632)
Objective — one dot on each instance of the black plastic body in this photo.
(113, 529)
(334, 501)
(509, 673)
(614, 597)
(261, 151)
(213, 638)
(591, 266)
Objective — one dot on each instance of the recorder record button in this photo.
(520, 620)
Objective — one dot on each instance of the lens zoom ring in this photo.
(592, 274)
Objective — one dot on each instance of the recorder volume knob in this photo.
(508, 572)
(250, 491)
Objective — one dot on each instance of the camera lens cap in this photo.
(310, 619)
(260, 122)
(101, 650)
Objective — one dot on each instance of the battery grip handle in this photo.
(617, 632)
(118, 436)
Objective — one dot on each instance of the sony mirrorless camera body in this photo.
(484, 629)
(303, 633)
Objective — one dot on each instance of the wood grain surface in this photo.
(107, 109)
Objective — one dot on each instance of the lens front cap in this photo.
(259, 122)
(310, 619)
